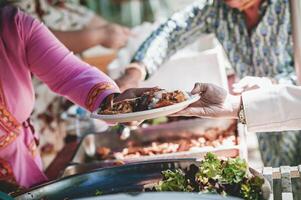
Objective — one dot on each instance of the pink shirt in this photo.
(26, 47)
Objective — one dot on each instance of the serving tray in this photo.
(185, 129)
(131, 178)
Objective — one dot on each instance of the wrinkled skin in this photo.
(214, 102)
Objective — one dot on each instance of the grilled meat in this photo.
(156, 98)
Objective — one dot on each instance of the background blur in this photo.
(134, 12)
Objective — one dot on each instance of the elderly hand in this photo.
(114, 36)
(215, 102)
(251, 83)
(130, 79)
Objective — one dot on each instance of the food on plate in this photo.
(213, 137)
(223, 176)
(155, 98)
(103, 152)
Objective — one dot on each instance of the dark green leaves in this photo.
(251, 189)
(214, 175)
(210, 168)
(98, 193)
(234, 170)
(174, 181)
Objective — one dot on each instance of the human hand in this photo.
(127, 94)
(215, 102)
(251, 83)
(132, 93)
(130, 79)
(114, 36)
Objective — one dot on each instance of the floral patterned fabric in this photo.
(64, 15)
(264, 51)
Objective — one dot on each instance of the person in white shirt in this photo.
(274, 108)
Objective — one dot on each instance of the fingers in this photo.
(117, 36)
(188, 112)
(196, 89)
(127, 81)
(139, 91)
(199, 88)
(127, 31)
(244, 82)
(123, 31)
(251, 83)
(133, 124)
(210, 92)
(133, 93)
(126, 86)
(119, 42)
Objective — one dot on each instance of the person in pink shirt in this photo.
(27, 47)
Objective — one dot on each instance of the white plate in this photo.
(147, 114)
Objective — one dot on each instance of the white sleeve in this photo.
(275, 109)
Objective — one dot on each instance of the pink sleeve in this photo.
(62, 71)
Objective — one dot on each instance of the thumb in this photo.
(199, 88)
(133, 93)
(139, 91)
(189, 111)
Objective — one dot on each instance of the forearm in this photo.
(96, 22)
(78, 41)
(62, 71)
(180, 30)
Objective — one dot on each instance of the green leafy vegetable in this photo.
(210, 168)
(98, 193)
(174, 181)
(234, 171)
(251, 190)
(214, 175)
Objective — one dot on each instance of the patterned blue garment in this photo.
(264, 51)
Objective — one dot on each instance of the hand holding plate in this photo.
(215, 102)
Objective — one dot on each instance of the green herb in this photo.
(234, 171)
(225, 177)
(210, 168)
(174, 181)
(98, 193)
(251, 190)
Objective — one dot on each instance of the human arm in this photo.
(66, 74)
(95, 30)
(63, 72)
(251, 83)
(183, 28)
(269, 109)
(109, 35)
(78, 41)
